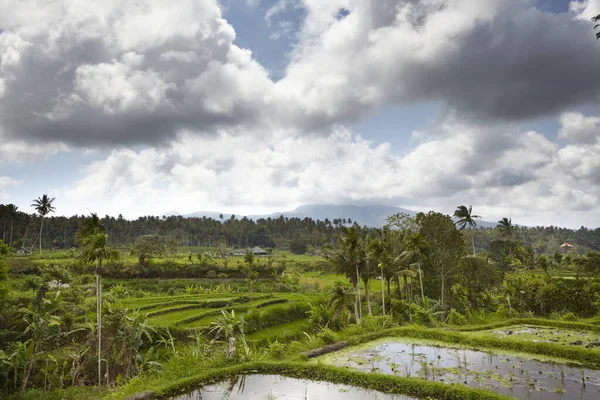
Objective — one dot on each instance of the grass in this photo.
(289, 330)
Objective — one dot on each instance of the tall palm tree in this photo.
(466, 217)
(96, 250)
(12, 212)
(348, 258)
(88, 226)
(43, 206)
(505, 227)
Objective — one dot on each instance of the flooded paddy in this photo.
(513, 375)
(272, 387)
(566, 337)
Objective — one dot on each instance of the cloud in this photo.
(578, 128)
(522, 174)
(15, 151)
(5, 183)
(128, 73)
(500, 60)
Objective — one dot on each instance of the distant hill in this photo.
(369, 215)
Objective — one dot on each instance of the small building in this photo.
(239, 252)
(258, 251)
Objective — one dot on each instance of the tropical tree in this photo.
(348, 258)
(506, 228)
(89, 226)
(466, 217)
(43, 206)
(596, 19)
(97, 250)
(12, 212)
(341, 297)
(444, 247)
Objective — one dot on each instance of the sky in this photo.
(259, 106)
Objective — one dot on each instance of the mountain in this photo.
(369, 215)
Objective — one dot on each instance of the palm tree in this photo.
(378, 252)
(96, 249)
(43, 206)
(596, 19)
(12, 212)
(89, 226)
(466, 217)
(347, 258)
(341, 298)
(505, 227)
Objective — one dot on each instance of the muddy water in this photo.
(272, 387)
(514, 376)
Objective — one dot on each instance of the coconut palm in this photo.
(89, 226)
(97, 250)
(348, 258)
(378, 251)
(341, 297)
(11, 212)
(505, 227)
(466, 217)
(596, 19)
(43, 206)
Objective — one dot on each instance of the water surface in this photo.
(274, 387)
(519, 377)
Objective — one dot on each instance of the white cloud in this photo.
(20, 151)
(112, 72)
(585, 9)
(522, 174)
(578, 128)
(5, 183)
(480, 57)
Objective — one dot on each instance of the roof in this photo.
(566, 245)
(257, 249)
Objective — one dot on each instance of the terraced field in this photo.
(198, 311)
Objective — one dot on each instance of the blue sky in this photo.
(498, 111)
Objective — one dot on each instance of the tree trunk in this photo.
(41, 231)
(367, 295)
(358, 292)
(356, 307)
(473, 241)
(99, 321)
(382, 293)
(421, 280)
(11, 231)
(442, 298)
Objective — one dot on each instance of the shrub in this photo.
(456, 318)
(327, 336)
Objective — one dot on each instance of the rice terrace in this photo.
(300, 199)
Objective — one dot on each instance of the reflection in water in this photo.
(518, 377)
(274, 387)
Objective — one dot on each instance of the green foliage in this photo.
(456, 318)
(298, 245)
(150, 246)
(3, 249)
(327, 336)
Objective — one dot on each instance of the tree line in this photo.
(21, 228)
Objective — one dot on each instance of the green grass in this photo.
(281, 332)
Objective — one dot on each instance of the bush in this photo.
(456, 318)
(327, 336)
